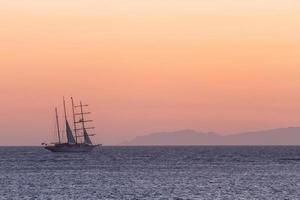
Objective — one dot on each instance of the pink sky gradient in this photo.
(146, 66)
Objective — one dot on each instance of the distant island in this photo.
(281, 136)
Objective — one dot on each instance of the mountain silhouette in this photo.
(281, 136)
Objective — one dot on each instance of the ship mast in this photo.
(57, 125)
(82, 120)
(82, 116)
(65, 111)
(74, 120)
(69, 133)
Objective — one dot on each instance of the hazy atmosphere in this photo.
(149, 66)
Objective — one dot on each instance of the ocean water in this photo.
(257, 172)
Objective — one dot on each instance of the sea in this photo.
(157, 172)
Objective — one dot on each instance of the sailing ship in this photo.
(79, 141)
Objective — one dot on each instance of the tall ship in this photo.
(80, 141)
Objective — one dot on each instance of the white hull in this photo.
(71, 148)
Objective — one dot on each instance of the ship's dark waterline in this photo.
(151, 173)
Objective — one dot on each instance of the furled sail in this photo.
(87, 139)
(70, 136)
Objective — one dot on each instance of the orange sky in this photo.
(144, 66)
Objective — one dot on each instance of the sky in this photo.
(147, 66)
